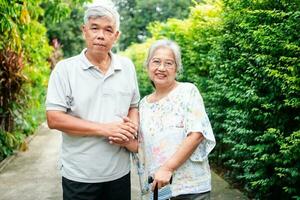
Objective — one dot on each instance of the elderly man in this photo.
(92, 99)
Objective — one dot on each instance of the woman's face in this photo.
(162, 67)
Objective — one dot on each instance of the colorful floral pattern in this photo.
(163, 127)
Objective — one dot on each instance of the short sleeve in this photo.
(57, 93)
(196, 120)
(136, 96)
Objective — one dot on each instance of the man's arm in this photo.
(75, 126)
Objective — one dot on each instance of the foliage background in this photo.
(242, 55)
(24, 55)
(24, 49)
(137, 14)
(244, 58)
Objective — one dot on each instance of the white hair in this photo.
(173, 46)
(102, 8)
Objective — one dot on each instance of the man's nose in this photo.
(100, 34)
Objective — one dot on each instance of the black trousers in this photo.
(111, 190)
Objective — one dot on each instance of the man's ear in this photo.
(82, 28)
(118, 33)
(83, 31)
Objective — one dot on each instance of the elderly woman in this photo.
(175, 133)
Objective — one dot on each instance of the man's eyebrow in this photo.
(109, 26)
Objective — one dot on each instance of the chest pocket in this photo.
(118, 100)
(123, 102)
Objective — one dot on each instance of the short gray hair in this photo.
(164, 43)
(102, 10)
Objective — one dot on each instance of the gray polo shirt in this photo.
(79, 89)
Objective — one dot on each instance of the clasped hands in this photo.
(122, 132)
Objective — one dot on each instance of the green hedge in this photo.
(244, 56)
(255, 90)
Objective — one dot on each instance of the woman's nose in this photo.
(161, 67)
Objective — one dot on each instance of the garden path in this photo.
(34, 175)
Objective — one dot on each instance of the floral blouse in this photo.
(163, 127)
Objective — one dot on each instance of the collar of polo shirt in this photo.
(87, 64)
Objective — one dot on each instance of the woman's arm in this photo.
(131, 145)
(188, 146)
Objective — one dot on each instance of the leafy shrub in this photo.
(255, 91)
(24, 51)
(138, 53)
(244, 57)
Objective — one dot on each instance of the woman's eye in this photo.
(157, 62)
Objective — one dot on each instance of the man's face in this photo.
(100, 34)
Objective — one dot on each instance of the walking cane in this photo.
(155, 192)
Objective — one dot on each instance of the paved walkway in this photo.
(34, 175)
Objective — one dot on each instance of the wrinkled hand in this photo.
(130, 123)
(121, 132)
(162, 177)
(116, 141)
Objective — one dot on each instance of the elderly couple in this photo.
(93, 99)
